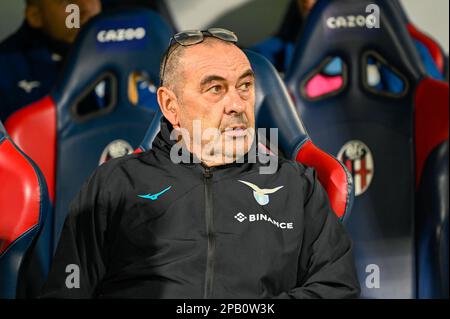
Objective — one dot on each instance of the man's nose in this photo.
(235, 104)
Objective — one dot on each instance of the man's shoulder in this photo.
(11, 55)
(23, 45)
(14, 62)
(14, 42)
(294, 167)
(297, 172)
(127, 163)
(10, 44)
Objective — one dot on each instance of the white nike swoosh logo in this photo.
(28, 86)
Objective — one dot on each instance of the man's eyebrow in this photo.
(210, 79)
(247, 73)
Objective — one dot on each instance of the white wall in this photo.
(197, 14)
(432, 17)
(11, 16)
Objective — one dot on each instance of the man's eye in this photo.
(215, 89)
(246, 86)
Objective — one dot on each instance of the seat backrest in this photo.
(24, 223)
(274, 109)
(67, 145)
(432, 228)
(383, 135)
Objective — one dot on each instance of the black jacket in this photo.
(204, 236)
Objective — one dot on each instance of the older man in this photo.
(152, 226)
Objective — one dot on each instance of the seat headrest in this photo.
(115, 43)
(401, 10)
(274, 107)
(344, 28)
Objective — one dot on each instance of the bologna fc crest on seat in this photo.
(357, 157)
(115, 149)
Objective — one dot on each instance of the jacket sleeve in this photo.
(79, 263)
(326, 266)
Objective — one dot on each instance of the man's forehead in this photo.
(219, 57)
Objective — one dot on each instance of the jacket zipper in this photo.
(209, 275)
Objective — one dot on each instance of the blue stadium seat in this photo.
(393, 137)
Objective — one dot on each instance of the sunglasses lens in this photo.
(223, 34)
(186, 38)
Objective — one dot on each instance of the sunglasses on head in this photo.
(192, 37)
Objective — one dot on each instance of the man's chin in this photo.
(237, 147)
(230, 151)
(229, 148)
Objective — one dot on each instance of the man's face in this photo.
(305, 6)
(217, 88)
(51, 17)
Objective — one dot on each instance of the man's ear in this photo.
(168, 103)
(33, 16)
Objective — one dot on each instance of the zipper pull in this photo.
(207, 174)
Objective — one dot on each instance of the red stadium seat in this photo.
(25, 223)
